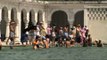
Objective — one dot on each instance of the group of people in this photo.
(53, 36)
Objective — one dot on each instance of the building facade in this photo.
(56, 13)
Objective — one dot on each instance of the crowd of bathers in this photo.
(54, 36)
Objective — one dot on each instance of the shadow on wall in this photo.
(79, 18)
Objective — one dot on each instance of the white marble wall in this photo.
(48, 9)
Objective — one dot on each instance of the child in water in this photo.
(99, 44)
(35, 43)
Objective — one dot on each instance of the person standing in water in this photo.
(12, 27)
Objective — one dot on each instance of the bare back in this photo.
(12, 26)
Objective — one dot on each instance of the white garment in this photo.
(35, 34)
(38, 31)
(27, 32)
(53, 34)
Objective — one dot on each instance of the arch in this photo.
(3, 22)
(5, 13)
(40, 17)
(23, 19)
(32, 15)
(31, 18)
(13, 14)
(59, 19)
(79, 18)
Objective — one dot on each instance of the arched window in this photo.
(79, 18)
(31, 18)
(60, 19)
(40, 17)
(3, 22)
(23, 20)
(13, 14)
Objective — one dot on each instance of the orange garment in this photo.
(35, 42)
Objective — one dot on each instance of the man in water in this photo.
(12, 27)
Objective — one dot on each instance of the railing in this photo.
(74, 2)
(60, 1)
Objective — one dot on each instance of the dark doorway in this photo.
(59, 19)
(79, 18)
(31, 18)
(13, 14)
(3, 23)
(40, 17)
(23, 19)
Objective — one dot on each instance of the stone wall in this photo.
(98, 29)
(72, 10)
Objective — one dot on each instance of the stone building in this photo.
(61, 13)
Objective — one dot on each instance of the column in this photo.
(27, 21)
(7, 24)
(17, 33)
(36, 17)
(70, 15)
(85, 17)
(7, 30)
(44, 20)
(18, 30)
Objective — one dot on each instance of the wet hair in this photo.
(78, 25)
(72, 28)
(37, 37)
(96, 41)
(89, 35)
(99, 41)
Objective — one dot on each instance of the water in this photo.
(57, 53)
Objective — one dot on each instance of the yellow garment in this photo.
(43, 32)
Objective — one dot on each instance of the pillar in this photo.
(70, 15)
(27, 22)
(44, 20)
(18, 31)
(36, 15)
(85, 17)
(7, 25)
